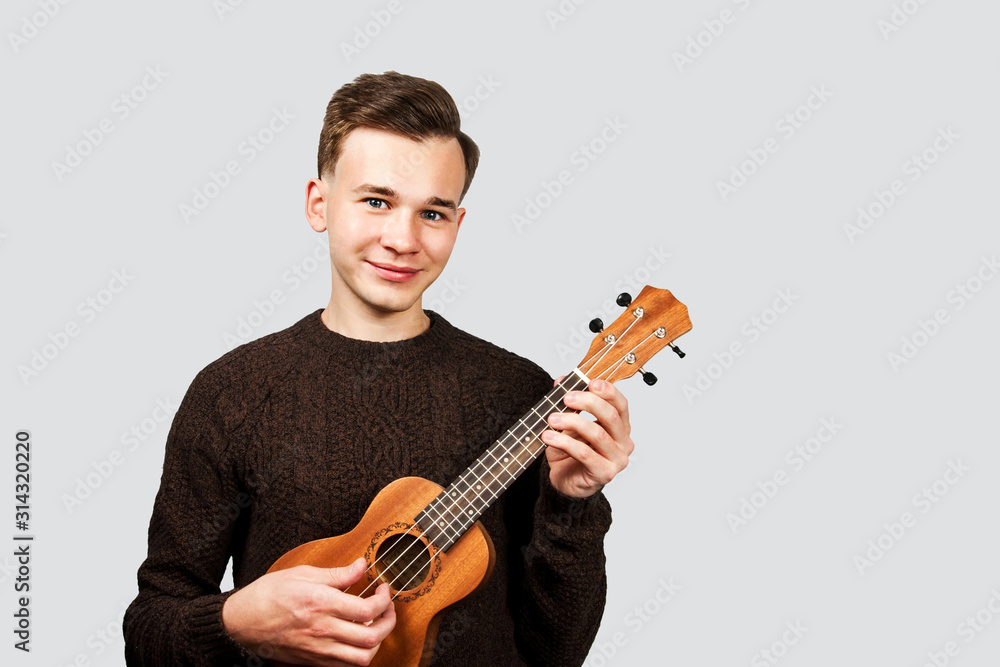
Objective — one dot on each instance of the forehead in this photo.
(384, 158)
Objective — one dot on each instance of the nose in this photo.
(399, 232)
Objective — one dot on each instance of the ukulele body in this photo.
(425, 589)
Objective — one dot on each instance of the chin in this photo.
(392, 303)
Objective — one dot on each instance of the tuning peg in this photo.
(678, 351)
(648, 377)
(596, 325)
(624, 299)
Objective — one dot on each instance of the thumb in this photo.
(345, 576)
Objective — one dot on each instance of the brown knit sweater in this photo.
(287, 439)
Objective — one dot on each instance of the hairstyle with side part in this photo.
(415, 108)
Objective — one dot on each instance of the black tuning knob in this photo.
(596, 325)
(624, 299)
(648, 377)
(678, 351)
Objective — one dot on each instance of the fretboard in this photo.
(449, 515)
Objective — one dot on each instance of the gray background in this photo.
(553, 87)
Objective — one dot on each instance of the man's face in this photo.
(391, 207)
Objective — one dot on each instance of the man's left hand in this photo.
(585, 455)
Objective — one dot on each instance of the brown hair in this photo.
(415, 108)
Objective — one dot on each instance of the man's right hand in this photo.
(303, 616)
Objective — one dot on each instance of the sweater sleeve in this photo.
(176, 619)
(558, 583)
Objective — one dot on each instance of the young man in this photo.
(287, 439)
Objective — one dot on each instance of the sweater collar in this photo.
(438, 333)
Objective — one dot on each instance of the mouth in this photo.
(397, 274)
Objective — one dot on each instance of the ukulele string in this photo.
(595, 359)
(612, 369)
(477, 495)
(505, 468)
(433, 506)
(611, 345)
(592, 361)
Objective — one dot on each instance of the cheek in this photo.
(439, 246)
(348, 238)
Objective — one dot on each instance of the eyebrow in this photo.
(386, 191)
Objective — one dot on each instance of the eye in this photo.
(436, 216)
(375, 202)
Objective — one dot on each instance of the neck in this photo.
(361, 324)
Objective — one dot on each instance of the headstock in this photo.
(650, 323)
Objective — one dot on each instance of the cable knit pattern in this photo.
(289, 438)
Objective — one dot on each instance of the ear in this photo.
(460, 215)
(316, 194)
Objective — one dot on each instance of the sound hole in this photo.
(403, 561)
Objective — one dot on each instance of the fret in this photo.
(439, 529)
(449, 515)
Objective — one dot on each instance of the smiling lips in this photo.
(397, 274)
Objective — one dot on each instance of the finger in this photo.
(609, 394)
(354, 608)
(322, 651)
(595, 435)
(558, 380)
(608, 405)
(342, 577)
(598, 469)
(335, 577)
(360, 635)
(352, 643)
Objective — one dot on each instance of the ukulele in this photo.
(426, 542)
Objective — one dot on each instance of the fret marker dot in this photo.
(478, 487)
(527, 438)
(441, 523)
(505, 459)
(470, 512)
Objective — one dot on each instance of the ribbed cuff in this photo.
(209, 637)
(564, 512)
